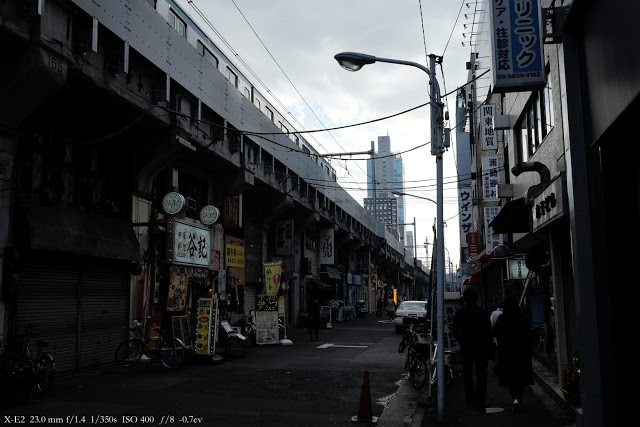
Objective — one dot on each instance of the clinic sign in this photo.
(516, 45)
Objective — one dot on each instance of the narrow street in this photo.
(315, 383)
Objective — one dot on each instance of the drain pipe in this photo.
(541, 169)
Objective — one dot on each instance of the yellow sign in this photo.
(234, 255)
(272, 273)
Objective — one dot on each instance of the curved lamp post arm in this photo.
(353, 61)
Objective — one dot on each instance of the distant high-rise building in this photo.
(389, 179)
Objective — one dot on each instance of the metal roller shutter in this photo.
(104, 298)
(250, 297)
(80, 304)
(47, 295)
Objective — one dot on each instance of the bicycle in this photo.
(170, 351)
(39, 369)
(449, 373)
(416, 363)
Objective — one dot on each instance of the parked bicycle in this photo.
(449, 373)
(415, 343)
(170, 351)
(23, 365)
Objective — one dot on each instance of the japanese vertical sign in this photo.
(189, 244)
(232, 211)
(516, 45)
(465, 201)
(487, 113)
(326, 247)
(272, 272)
(490, 178)
(492, 239)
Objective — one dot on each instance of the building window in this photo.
(535, 124)
(247, 93)
(206, 53)
(151, 3)
(269, 113)
(231, 77)
(177, 23)
(257, 103)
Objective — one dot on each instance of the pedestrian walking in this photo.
(514, 368)
(313, 311)
(379, 307)
(494, 317)
(391, 308)
(472, 329)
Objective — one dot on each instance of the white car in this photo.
(409, 310)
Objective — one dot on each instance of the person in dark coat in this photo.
(313, 312)
(472, 329)
(379, 307)
(514, 368)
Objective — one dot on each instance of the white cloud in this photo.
(303, 36)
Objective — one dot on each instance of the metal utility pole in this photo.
(353, 61)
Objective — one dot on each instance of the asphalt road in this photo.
(308, 383)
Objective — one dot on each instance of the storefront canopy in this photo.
(512, 218)
(72, 231)
(319, 283)
(331, 272)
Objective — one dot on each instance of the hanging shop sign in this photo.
(490, 178)
(487, 114)
(549, 204)
(188, 243)
(326, 249)
(209, 214)
(465, 202)
(492, 239)
(517, 269)
(234, 255)
(232, 211)
(516, 45)
(173, 202)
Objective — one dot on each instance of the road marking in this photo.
(343, 346)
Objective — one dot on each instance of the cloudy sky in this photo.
(290, 45)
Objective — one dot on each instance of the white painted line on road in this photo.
(343, 346)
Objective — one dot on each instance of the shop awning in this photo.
(72, 231)
(512, 218)
(331, 272)
(319, 283)
(475, 279)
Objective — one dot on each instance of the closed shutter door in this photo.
(250, 297)
(47, 295)
(104, 301)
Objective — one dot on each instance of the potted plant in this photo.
(570, 385)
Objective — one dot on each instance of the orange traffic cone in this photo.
(365, 414)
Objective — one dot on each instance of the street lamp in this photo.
(353, 61)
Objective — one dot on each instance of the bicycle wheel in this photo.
(420, 372)
(172, 353)
(130, 351)
(44, 370)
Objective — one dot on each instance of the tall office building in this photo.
(388, 171)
